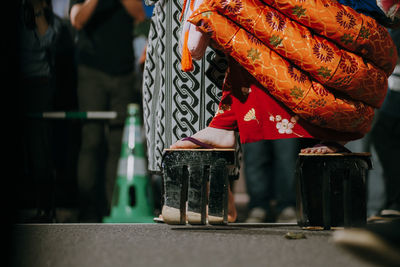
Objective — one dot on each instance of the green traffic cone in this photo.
(132, 198)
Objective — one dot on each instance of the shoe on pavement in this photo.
(287, 215)
(391, 213)
(377, 243)
(257, 215)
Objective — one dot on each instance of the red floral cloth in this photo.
(246, 106)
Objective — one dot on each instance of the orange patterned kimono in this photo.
(318, 68)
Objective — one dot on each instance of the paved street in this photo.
(87, 245)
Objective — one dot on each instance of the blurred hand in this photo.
(142, 58)
(81, 13)
(135, 9)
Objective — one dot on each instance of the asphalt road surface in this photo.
(161, 245)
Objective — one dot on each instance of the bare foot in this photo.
(325, 148)
(232, 213)
(218, 138)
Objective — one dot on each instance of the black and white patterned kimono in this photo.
(176, 104)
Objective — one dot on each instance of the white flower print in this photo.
(285, 127)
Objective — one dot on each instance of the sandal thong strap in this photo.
(197, 142)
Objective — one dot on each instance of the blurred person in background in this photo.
(269, 174)
(385, 136)
(37, 37)
(105, 60)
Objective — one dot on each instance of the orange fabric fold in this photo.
(355, 32)
(321, 58)
(315, 76)
(186, 60)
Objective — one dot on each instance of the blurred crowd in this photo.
(90, 55)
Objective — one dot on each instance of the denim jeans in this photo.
(386, 139)
(269, 167)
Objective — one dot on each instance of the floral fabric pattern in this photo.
(324, 79)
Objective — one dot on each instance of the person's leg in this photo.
(122, 93)
(285, 153)
(39, 140)
(385, 137)
(91, 96)
(259, 172)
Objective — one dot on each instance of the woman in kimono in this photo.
(177, 104)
